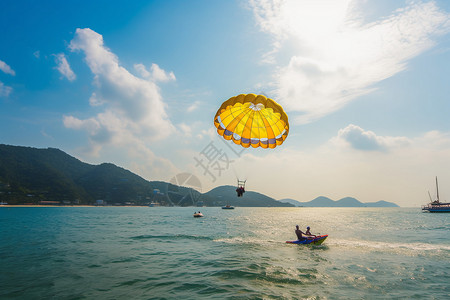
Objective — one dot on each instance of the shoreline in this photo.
(37, 205)
(304, 207)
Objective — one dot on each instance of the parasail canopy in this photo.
(250, 119)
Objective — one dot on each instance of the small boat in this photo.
(310, 240)
(198, 215)
(227, 207)
(436, 206)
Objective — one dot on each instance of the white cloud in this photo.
(6, 68)
(209, 133)
(95, 101)
(159, 74)
(91, 125)
(46, 135)
(155, 74)
(142, 70)
(133, 112)
(154, 168)
(64, 68)
(37, 54)
(193, 106)
(359, 139)
(107, 129)
(134, 155)
(4, 90)
(335, 57)
(185, 129)
(434, 140)
(131, 101)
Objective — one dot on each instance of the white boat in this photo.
(436, 206)
(227, 207)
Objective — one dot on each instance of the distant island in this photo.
(52, 177)
(344, 202)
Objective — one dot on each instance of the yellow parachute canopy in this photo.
(250, 119)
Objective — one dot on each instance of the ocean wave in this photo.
(124, 260)
(269, 274)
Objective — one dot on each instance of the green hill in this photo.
(30, 175)
(224, 195)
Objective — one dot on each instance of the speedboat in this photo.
(227, 207)
(310, 240)
(198, 215)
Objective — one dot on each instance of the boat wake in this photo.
(246, 241)
(170, 237)
(412, 248)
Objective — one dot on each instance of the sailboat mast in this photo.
(437, 189)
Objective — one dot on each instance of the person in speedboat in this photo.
(299, 233)
(308, 232)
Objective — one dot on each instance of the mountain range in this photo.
(250, 199)
(322, 201)
(36, 176)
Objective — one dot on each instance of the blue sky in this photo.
(364, 83)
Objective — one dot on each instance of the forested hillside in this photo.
(35, 176)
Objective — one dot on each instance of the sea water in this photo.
(165, 253)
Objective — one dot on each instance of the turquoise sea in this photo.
(165, 253)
